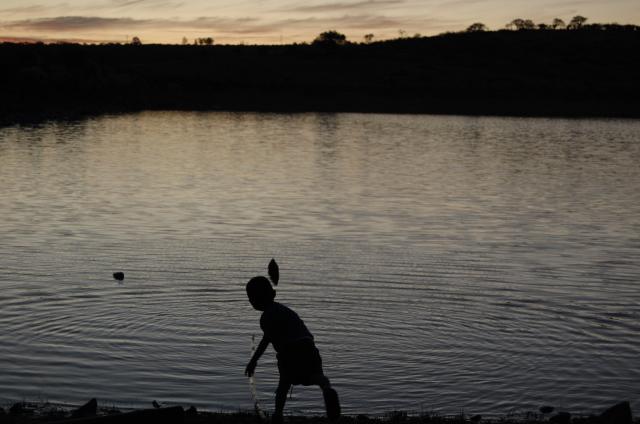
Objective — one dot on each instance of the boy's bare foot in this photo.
(332, 404)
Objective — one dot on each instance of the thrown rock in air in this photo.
(274, 272)
(118, 276)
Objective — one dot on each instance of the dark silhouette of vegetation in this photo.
(368, 38)
(577, 22)
(136, 41)
(590, 71)
(478, 26)
(521, 24)
(331, 38)
(208, 41)
(558, 24)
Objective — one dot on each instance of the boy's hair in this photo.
(259, 288)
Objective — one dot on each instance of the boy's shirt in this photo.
(283, 327)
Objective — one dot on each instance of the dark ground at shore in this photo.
(581, 73)
(30, 413)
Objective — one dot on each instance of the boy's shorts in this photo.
(299, 363)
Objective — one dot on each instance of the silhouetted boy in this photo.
(299, 361)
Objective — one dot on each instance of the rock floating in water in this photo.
(118, 276)
(619, 413)
(546, 409)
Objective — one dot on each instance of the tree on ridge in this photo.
(477, 27)
(577, 22)
(331, 37)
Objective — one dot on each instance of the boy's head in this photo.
(260, 293)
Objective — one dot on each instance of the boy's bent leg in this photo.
(331, 401)
(281, 398)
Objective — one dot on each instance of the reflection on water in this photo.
(442, 263)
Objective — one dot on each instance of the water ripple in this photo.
(442, 263)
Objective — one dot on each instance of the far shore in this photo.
(583, 73)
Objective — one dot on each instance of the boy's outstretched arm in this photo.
(251, 366)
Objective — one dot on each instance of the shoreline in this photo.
(618, 112)
(92, 412)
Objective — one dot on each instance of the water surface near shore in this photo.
(442, 263)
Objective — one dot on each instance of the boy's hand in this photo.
(251, 368)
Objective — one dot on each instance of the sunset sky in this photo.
(280, 21)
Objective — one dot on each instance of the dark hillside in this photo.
(571, 73)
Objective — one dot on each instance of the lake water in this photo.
(443, 263)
